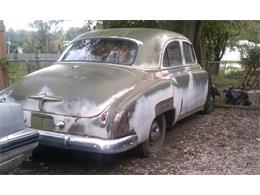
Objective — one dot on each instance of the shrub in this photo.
(250, 60)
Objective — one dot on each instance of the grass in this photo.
(231, 77)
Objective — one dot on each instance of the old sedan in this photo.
(16, 141)
(112, 90)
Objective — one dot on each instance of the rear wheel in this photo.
(156, 137)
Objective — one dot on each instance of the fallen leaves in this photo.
(223, 142)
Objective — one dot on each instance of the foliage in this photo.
(3, 63)
(229, 79)
(123, 23)
(163, 24)
(251, 57)
(250, 31)
(73, 32)
(250, 60)
(16, 72)
(45, 35)
(216, 36)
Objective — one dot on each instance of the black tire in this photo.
(155, 140)
(210, 103)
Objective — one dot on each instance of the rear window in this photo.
(115, 51)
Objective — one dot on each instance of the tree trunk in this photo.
(187, 28)
(214, 68)
(197, 43)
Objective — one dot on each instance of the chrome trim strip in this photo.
(89, 144)
(18, 135)
(45, 98)
(12, 159)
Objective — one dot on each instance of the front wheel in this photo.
(156, 137)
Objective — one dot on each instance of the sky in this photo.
(24, 24)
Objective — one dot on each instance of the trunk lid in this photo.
(83, 90)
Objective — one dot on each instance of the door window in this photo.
(172, 55)
(188, 53)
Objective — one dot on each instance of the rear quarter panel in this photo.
(140, 106)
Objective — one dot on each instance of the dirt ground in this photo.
(223, 142)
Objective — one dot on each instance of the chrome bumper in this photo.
(96, 145)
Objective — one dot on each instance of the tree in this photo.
(73, 32)
(250, 59)
(44, 33)
(250, 31)
(216, 37)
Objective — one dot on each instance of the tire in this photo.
(155, 140)
(210, 103)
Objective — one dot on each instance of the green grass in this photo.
(229, 78)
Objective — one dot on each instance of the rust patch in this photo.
(120, 127)
(164, 106)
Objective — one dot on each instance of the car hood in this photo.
(82, 90)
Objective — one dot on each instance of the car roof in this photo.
(150, 42)
(141, 34)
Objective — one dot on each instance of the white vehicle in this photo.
(16, 141)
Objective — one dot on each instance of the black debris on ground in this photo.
(224, 142)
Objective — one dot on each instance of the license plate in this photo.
(42, 121)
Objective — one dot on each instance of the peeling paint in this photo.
(144, 113)
(88, 108)
(128, 93)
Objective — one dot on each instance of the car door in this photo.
(198, 78)
(173, 69)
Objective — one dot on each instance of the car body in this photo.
(16, 141)
(114, 89)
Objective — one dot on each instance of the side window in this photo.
(172, 55)
(188, 53)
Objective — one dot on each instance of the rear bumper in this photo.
(89, 144)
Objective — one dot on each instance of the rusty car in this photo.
(112, 90)
(16, 141)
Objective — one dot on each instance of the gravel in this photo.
(224, 142)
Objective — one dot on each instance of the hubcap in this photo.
(155, 132)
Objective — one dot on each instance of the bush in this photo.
(16, 72)
(250, 60)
